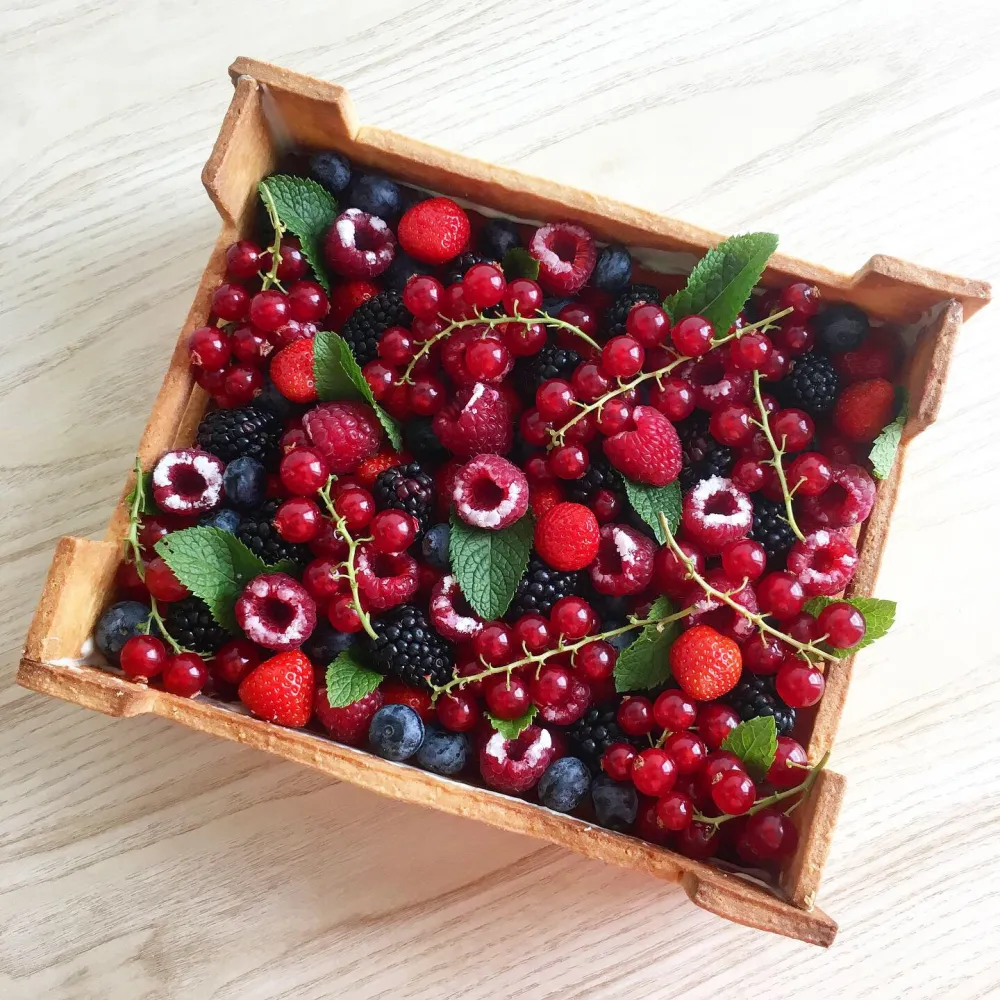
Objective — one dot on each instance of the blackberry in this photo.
(421, 441)
(371, 319)
(623, 304)
(407, 647)
(551, 361)
(406, 487)
(455, 269)
(812, 384)
(755, 696)
(703, 456)
(600, 475)
(191, 624)
(540, 588)
(243, 432)
(771, 528)
(258, 533)
(595, 732)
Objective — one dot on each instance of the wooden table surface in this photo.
(141, 860)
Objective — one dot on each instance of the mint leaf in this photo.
(489, 564)
(338, 376)
(518, 263)
(347, 681)
(213, 565)
(883, 453)
(307, 209)
(645, 663)
(510, 729)
(879, 618)
(649, 501)
(143, 487)
(722, 280)
(755, 742)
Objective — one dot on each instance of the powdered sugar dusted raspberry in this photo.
(449, 611)
(490, 492)
(624, 563)
(344, 433)
(824, 563)
(276, 612)
(566, 255)
(188, 482)
(649, 454)
(846, 502)
(359, 245)
(516, 765)
(716, 512)
(478, 421)
(385, 580)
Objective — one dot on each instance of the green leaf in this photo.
(143, 485)
(307, 209)
(518, 263)
(510, 729)
(645, 663)
(214, 565)
(755, 742)
(722, 280)
(338, 376)
(649, 501)
(347, 681)
(879, 618)
(489, 564)
(883, 453)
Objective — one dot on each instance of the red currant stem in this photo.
(491, 321)
(154, 616)
(561, 647)
(271, 278)
(352, 545)
(777, 451)
(770, 800)
(765, 324)
(806, 649)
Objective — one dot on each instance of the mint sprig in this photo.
(489, 564)
(650, 501)
(518, 263)
(347, 681)
(510, 729)
(306, 209)
(338, 376)
(886, 445)
(879, 613)
(755, 742)
(721, 282)
(645, 663)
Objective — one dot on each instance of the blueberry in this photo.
(376, 195)
(396, 732)
(443, 752)
(564, 784)
(326, 643)
(435, 546)
(613, 269)
(497, 237)
(331, 169)
(224, 518)
(840, 327)
(117, 625)
(616, 803)
(245, 482)
(402, 268)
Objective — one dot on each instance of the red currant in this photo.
(551, 687)
(234, 661)
(569, 461)
(322, 578)
(534, 429)
(616, 761)
(692, 336)
(699, 841)
(780, 594)
(802, 627)
(555, 399)
(495, 645)
(250, 346)
(799, 684)
(185, 675)
(393, 530)
(583, 429)
(458, 711)
(230, 302)
(648, 324)
(764, 654)
(732, 425)
(794, 427)
(522, 297)
(162, 583)
(589, 382)
(810, 474)
(484, 285)
(674, 710)
(614, 416)
(748, 474)
(307, 302)
(688, 751)
(670, 574)
(653, 772)
(674, 811)
(356, 506)
(744, 559)
(298, 519)
(802, 297)
(750, 351)
(243, 260)
(507, 697)
(674, 398)
(596, 661)
(606, 505)
(581, 316)
(151, 530)
(635, 715)
(293, 264)
(715, 723)
(734, 793)
(343, 615)
(396, 346)
(303, 471)
(770, 835)
(269, 310)
(790, 765)
(380, 377)
(487, 358)
(209, 348)
(423, 295)
(572, 618)
(427, 395)
(842, 624)
(794, 339)
(622, 357)
(524, 339)
(532, 633)
(242, 384)
(143, 657)
(776, 366)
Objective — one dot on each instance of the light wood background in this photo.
(140, 860)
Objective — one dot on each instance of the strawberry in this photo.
(705, 663)
(292, 372)
(434, 231)
(368, 471)
(567, 536)
(281, 689)
(864, 409)
(478, 421)
(345, 298)
(397, 693)
(877, 357)
(649, 454)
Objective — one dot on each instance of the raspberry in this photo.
(566, 256)
(567, 536)
(704, 663)
(516, 765)
(292, 372)
(479, 420)
(715, 513)
(385, 580)
(348, 724)
(847, 501)
(359, 245)
(708, 610)
(370, 468)
(434, 231)
(450, 613)
(624, 561)
(649, 454)
(276, 612)
(490, 492)
(281, 689)
(864, 409)
(824, 563)
(188, 482)
(343, 433)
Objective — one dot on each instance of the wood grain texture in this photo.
(141, 860)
